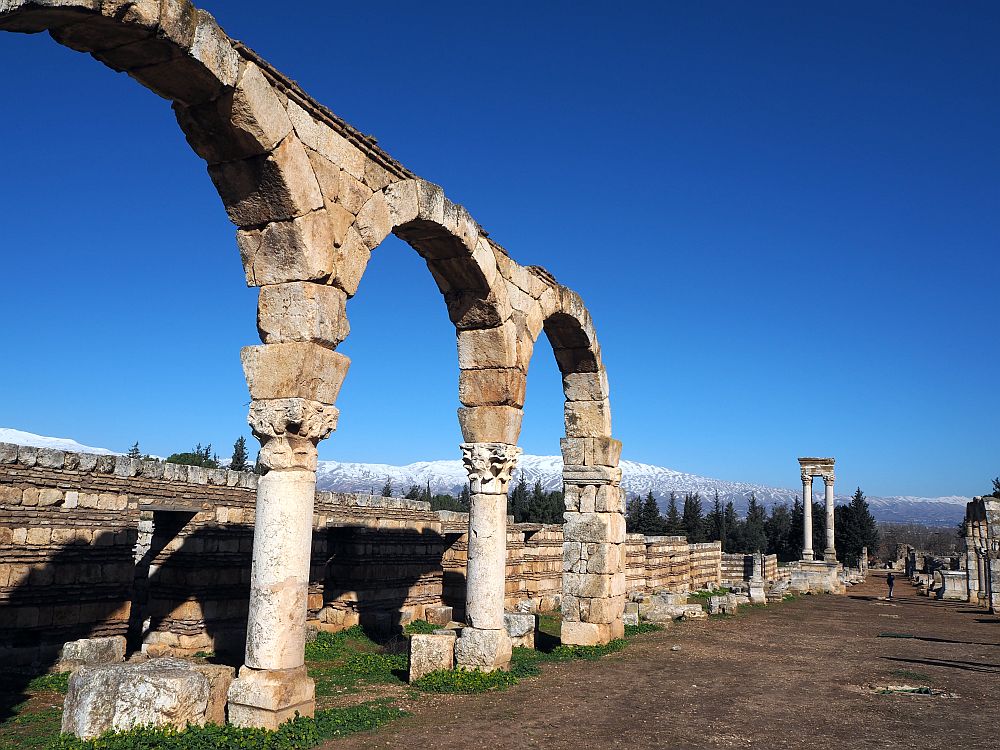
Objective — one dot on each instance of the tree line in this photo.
(779, 531)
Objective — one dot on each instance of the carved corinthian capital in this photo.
(490, 466)
(289, 429)
(806, 478)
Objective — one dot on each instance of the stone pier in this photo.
(484, 643)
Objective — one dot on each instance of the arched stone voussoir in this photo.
(169, 46)
(460, 258)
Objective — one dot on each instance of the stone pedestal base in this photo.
(590, 633)
(485, 650)
(830, 556)
(267, 698)
(816, 577)
(757, 594)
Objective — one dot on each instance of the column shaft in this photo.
(279, 577)
(485, 581)
(807, 518)
(830, 553)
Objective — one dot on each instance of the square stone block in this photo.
(438, 615)
(485, 650)
(430, 653)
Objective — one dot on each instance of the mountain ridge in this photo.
(449, 476)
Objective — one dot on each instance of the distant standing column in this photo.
(484, 644)
(830, 553)
(807, 517)
(971, 563)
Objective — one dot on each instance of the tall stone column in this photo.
(484, 644)
(593, 593)
(272, 684)
(807, 517)
(830, 553)
(971, 563)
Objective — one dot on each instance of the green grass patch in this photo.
(420, 627)
(550, 624)
(31, 730)
(297, 734)
(641, 628)
(57, 682)
(706, 595)
(460, 681)
(342, 662)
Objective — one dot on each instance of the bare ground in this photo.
(792, 675)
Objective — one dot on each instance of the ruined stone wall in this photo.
(635, 563)
(104, 545)
(737, 567)
(706, 565)
(668, 564)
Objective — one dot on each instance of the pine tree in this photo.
(650, 520)
(778, 528)
(733, 529)
(854, 528)
(387, 487)
(633, 515)
(239, 461)
(996, 487)
(673, 524)
(715, 522)
(413, 493)
(465, 497)
(198, 457)
(518, 503)
(693, 521)
(134, 451)
(537, 504)
(754, 534)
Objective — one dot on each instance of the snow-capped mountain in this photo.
(18, 437)
(638, 479)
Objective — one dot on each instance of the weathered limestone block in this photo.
(492, 387)
(302, 312)
(592, 474)
(247, 121)
(591, 633)
(586, 386)
(262, 189)
(521, 626)
(294, 370)
(488, 348)
(209, 67)
(490, 424)
(438, 615)
(159, 692)
(268, 698)
(430, 653)
(295, 250)
(323, 139)
(91, 652)
(595, 527)
(588, 418)
(591, 451)
(485, 650)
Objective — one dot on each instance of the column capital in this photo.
(828, 478)
(490, 466)
(806, 478)
(289, 429)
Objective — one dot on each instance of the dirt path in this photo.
(788, 676)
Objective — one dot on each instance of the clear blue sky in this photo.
(783, 217)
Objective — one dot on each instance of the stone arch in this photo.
(463, 263)
(593, 596)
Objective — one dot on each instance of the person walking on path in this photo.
(890, 579)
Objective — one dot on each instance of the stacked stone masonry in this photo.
(103, 545)
(738, 567)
